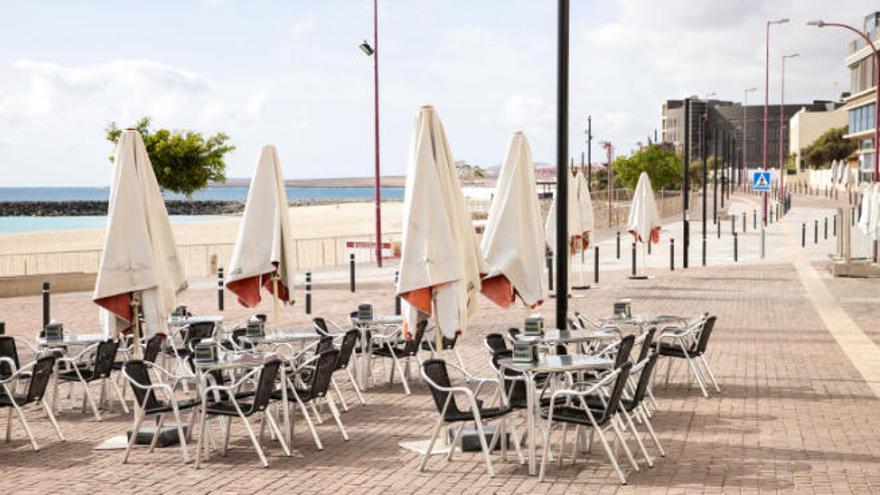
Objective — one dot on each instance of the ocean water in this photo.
(211, 193)
(11, 225)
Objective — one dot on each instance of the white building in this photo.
(806, 126)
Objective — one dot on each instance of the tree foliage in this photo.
(831, 145)
(663, 166)
(184, 161)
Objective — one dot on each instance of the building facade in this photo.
(860, 106)
(806, 126)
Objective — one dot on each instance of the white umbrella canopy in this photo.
(844, 174)
(644, 221)
(866, 220)
(512, 241)
(577, 227)
(264, 246)
(139, 254)
(585, 207)
(440, 260)
(874, 231)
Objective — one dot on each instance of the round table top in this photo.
(558, 364)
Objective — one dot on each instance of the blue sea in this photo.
(41, 224)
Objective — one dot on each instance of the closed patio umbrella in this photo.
(585, 205)
(644, 221)
(139, 263)
(440, 260)
(512, 242)
(833, 171)
(264, 255)
(866, 220)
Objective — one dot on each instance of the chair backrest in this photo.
(705, 333)
(646, 344)
(644, 381)
(411, 347)
(197, 331)
(324, 368)
(41, 373)
(435, 370)
(623, 350)
(8, 349)
(104, 357)
(513, 333)
(152, 348)
(137, 373)
(324, 344)
(514, 385)
(616, 392)
(265, 386)
(495, 343)
(346, 347)
(320, 325)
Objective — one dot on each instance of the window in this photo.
(861, 119)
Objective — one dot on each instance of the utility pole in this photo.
(561, 170)
(590, 153)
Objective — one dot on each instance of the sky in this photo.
(290, 73)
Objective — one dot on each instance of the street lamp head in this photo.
(749, 90)
(779, 21)
(366, 48)
(791, 55)
(816, 23)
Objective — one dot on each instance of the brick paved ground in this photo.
(794, 416)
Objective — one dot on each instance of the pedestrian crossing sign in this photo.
(760, 181)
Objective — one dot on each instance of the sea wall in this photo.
(98, 208)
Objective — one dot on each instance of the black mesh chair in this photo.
(9, 351)
(146, 403)
(600, 417)
(38, 373)
(190, 335)
(234, 341)
(636, 404)
(690, 345)
(429, 345)
(495, 343)
(93, 364)
(318, 384)
(234, 406)
(436, 374)
(346, 349)
(396, 353)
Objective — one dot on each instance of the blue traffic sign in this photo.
(760, 181)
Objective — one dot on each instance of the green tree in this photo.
(662, 165)
(184, 161)
(831, 145)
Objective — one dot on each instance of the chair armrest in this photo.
(235, 385)
(9, 362)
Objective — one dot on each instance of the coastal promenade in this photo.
(796, 412)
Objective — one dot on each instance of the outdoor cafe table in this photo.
(232, 362)
(376, 322)
(181, 321)
(72, 340)
(551, 365)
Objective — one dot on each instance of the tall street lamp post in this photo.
(685, 185)
(373, 51)
(561, 158)
(745, 132)
(782, 125)
(821, 24)
(589, 152)
(767, 99)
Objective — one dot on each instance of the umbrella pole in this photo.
(136, 324)
(275, 305)
(644, 256)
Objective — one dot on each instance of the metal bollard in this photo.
(46, 312)
(633, 259)
(763, 244)
(351, 271)
(834, 226)
(596, 265)
(618, 244)
(816, 232)
(718, 224)
(549, 271)
(649, 246)
(308, 293)
(672, 255)
(704, 250)
(396, 296)
(732, 225)
(826, 229)
(803, 235)
(744, 222)
(735, 248)
(754, 219)
(220, 288)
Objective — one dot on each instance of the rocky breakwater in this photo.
(99, 208)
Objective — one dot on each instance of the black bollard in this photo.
(834, 226)
(633, 259)
(351, 272)
(803, 235)
(735, 248)
(2, 328)
(704, 250)
(744, 222)
(549, 271)
(672, 255)
(618, 244)
(816, 232)
(220, 288)
(596, 265)
(732, 225)
(396, 296)
(308, 293)
(826, 229)
(718, 224)
(649, 246)
(754, 219)
(46, 312)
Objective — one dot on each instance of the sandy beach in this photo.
(337, 220)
